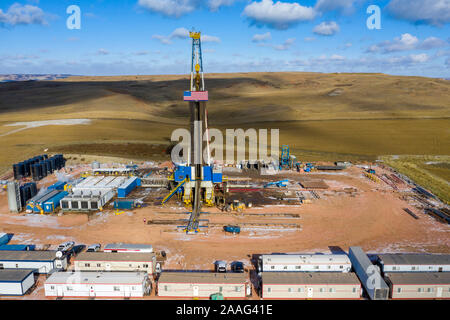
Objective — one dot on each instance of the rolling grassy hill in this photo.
(321, 116)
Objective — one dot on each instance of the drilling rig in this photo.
(196, 180)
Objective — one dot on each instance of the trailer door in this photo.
(59, 291)
(195, 291)
(127, 291)
(439, 292)
(310, 292)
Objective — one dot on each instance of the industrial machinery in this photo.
(279, 184)
(194, 182)
(236, 205)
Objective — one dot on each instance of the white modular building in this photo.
(94, 185)
(16, 282)
(202, 285)
(414, 262)
(304, 263)
(92, 193)
(310, 285)
(39, 261)
(125, 247)
(98, 285)
(419, 285)
(121, 261)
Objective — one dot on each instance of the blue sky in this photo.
(149, 36)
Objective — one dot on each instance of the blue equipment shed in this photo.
(51, 204)
(58, 186)
(17, 247)
(4, 238)
(128, 186)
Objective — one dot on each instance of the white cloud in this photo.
(434, 12)
(182, 33)
(207, 38)
(18, 14)
(431, 43)
(406, 42)
(280, 47)
(422, 57)
(262, 37)
(337, 57)
(278, 15)
(171, 8)
(285, 45)
(102, 52)
(214, 5)
(309, 39)
(345, 6)
(326, 28)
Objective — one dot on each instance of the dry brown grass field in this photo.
(321, 116)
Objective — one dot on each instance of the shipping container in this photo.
(124, 204)
(57, 186)
(53, 203)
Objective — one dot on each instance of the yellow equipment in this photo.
(372, 177)
(236, 205)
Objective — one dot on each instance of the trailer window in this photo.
(354, 290)
(220, 289)
(272, 267)
(269, 289)
(430, 289)
(322, 289)
(316, 267)
(238, 289)
(419, 289)
(69, 288)
(99, 265)
(145, 266)
(52, 287)
(341, 267)
(413, 268)
(399, 290)
(300, 289)
(297, 267)
(166, 288)
(87, 265)
(116, 288)
(329, 267)
(285, 267)
(289, 289)
(332, 290)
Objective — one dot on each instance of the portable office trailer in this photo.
(201, 284)
(368, 274)
(304, 262)
(124, 247)
(310, 285)
(40, 261)
(98, 284)
(127, 187)
(419, 285)
(123, 261)
(15, 282)
(414, 262)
